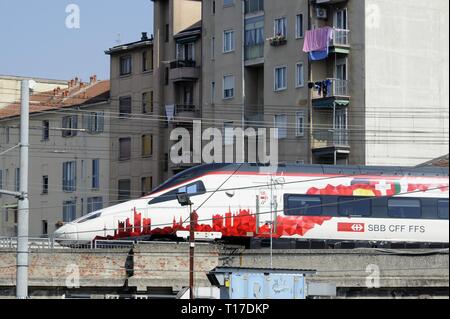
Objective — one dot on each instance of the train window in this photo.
(192, 189)
(404, 208)
(354, 206)
(303, 205)
(89, 217)
(443, 208)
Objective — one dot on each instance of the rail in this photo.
(58, 244)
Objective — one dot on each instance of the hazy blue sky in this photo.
(34, 39)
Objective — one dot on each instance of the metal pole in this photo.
(22, 232)
(191, 253)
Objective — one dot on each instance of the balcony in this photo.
(340, 42)
(183, 70)
(330, 143)
(330, 93)
(253, 52)
(184, 114)
(324, 2)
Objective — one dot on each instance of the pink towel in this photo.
(317, 39)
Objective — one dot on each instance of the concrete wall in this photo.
(47, 158)
(185, 14)
(406, 81)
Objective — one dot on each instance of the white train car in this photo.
(303, 202)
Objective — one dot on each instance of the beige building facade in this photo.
(10, 87)
(68, 157)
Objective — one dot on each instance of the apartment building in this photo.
(135, 139)
(10, 87)
(372, 98)
(68, 157)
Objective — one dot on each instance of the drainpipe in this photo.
(243, 77)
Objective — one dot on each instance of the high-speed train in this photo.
(303, 202)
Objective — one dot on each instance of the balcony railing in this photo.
(330, 88)
(182, 64)
(330, 138)
(184, 108)
(340, 37)
(254, 51)
(254, 6)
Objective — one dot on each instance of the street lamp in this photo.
(184, 200)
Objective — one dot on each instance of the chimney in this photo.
(76, 81)
(95, 77)
(144, 36)
(91, 79)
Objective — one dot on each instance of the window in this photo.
(299, 75)
(70, 126)
(404, 208)
(443, 208)
(125, 106)
(213, 92)
(213, 48)
(124, 189)
(44, 227)
(146, 185)
(45, 130)
(186, 51)
(147, 60)
(228, 41)
(228, 3)
(299, 31)
(302, 205)
(228, 86)
(69, 176)
(354, 206)
(193, 189)
(340, 19)
(94, 122)
(94, 204)
(166, 33)
(280, 27)
(254, 38)
(45, 184)
(125, 65)
(300, 125)
(228, 135)
(17, 180)
(124, 148)
(280, 78)
(69, 211)
(6, 134)
(95, 173)
(147, 102)
(214, 7)
(281, 126)
(147, 145)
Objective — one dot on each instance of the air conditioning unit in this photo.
(321, 13)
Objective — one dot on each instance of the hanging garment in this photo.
(317, 39)
(318, 55)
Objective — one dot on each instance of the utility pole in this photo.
(23, 205)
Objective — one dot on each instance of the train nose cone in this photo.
(67, 231)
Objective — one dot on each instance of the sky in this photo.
(36, 42)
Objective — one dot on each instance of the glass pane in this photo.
(304, 205)
(354, 206)
(404, 208)
(443, 209)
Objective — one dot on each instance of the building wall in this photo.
(47, 158)
(406, 81)
(10, 88)
(133, 126)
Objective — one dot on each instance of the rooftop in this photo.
(145, 41)
(77, 94)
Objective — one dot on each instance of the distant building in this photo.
(69, 156)
(10, 87)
